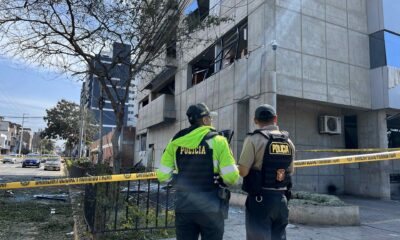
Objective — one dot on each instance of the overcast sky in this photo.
(32, 90)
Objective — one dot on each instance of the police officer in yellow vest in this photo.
(194, 158)
(266, 163)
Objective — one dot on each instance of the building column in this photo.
(370, 179)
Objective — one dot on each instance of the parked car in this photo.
(29, 162)
(52, 164)
(9, 160)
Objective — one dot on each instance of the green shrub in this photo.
(307, 198)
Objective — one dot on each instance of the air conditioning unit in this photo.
(330, 125)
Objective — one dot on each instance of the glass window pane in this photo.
(392, 44)
(377, 50)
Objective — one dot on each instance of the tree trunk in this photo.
(117, 149)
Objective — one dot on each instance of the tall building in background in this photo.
(91, 89)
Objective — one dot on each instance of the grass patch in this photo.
(32, 220)
(307, 198)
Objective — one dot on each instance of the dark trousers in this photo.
(267, 219)
(210, 226)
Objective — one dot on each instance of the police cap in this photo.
(197, 111)
(265, 112)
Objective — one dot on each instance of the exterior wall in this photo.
(321, 67)
(300, 119)
(127, 144)
(27, 139)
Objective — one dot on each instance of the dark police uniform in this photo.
(195, 156)
(269, 154)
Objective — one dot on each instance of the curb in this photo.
(313, 215)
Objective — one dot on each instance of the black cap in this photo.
(265, 112)
(198, 111)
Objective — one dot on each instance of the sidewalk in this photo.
(380, 220)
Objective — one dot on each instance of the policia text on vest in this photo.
(200, 162)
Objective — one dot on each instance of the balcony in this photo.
(165, 69)
(160, 110)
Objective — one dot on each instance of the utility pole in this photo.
(22, 133)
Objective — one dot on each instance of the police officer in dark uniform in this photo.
(199, 161)
(266, 163)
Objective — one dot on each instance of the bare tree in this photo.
(70, 35)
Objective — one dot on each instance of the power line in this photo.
(19, 117)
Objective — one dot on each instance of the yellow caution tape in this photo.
(348, 159)
(152, 175)
(78, 181)
(352, 150)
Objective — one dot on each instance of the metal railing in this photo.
(143, 205)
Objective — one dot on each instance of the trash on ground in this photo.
(9, 193)
(70, 234)
(52, 211)
(59, 197)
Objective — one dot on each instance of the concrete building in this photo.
(127, 149)
(5, 143)
(36, 142)
(27, 139)
(334, 78)
(91, 94)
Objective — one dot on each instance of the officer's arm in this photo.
(243, 171)
(246, 159)
(167, 164)
(226, 163)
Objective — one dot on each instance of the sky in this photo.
(32, 90)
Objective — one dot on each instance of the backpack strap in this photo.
(264, 133)
(210, 135)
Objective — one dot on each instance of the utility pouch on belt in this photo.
(252, 183)
(224, 195)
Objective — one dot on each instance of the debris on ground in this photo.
(9, 193)
(59, 197)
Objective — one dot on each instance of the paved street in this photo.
(379, 220)
(13, 171)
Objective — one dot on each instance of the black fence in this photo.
(143, 205)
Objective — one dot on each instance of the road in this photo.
(14, 171)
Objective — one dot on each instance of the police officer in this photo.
(266, 163)
(197, 156)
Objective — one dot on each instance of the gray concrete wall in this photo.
(300, 119)
(321, 68)
(370, 179)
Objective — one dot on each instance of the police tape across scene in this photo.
(372, 157)
(78, 181)
(352, 150)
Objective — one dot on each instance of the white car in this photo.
(9, 160)
(52, 164)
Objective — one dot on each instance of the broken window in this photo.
(144, 102)
(196, 11)
(232, 46)
(203, 66)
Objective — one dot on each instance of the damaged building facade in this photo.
(334, 78)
